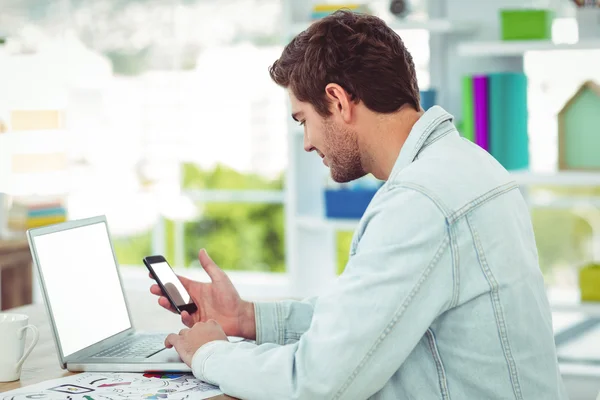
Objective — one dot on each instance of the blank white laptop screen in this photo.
(83, 287)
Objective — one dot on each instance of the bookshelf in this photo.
(463, 39)
(482, 49)
(317, 223)
(33, 150)
(559, 178)
(430, 25)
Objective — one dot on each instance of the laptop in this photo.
(86, 303)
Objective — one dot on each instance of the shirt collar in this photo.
(423, 131)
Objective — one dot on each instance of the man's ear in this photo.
(340, 101)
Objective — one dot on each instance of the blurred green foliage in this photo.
(223, 177)
(238, 236)
(131, 250)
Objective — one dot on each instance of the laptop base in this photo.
(166, 360)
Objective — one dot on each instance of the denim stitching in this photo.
(455, 264)
(443, 381)
(498, 313)
(293, 336)
(424, 135)
(435, 139)
(424, 192)
(399, 312)
(280, 330)
(258, 325)
(482, 199)
(455, 256)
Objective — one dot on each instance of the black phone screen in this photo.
(172, 284)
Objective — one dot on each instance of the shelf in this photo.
(432, 25)
(569, 301)
(321, 223)
(559, 178)
(523, 178)
(235, 196)
(518, 48)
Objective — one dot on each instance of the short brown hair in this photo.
(358, 52)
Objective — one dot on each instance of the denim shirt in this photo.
(442, 297)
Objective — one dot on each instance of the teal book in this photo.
(468, 127)
(320, 14)
(47, 212)
(508, 133)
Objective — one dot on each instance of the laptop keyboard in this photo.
(138, 346)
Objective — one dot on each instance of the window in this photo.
(177, 133)
(244, 230)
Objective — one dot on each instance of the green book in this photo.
(468, 124)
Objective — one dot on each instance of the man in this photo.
(442, 297)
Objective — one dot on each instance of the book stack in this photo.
(322, 10)
(495, 116)
(25, 215)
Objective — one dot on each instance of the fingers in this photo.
(187, 319)
(162, 301)
(214, 272)
(172, 340)
(165, 303)
(155, 289)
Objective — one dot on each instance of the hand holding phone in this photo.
(170, 285)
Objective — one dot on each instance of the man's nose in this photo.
(308, 147)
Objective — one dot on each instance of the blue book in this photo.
(508, 133)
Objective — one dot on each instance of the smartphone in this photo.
(170, 284)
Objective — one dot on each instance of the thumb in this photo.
(214, 272)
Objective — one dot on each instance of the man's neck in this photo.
(382, 144)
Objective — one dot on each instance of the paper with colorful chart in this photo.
(116, 386)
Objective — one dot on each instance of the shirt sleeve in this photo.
(282, 322)
(365, 326)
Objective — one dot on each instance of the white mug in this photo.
(12, 345)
